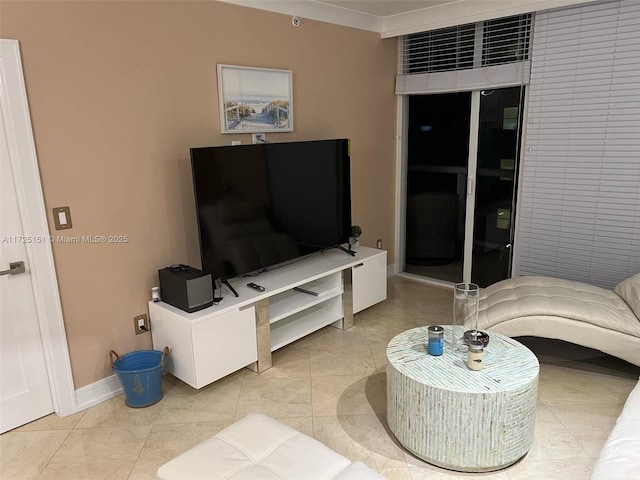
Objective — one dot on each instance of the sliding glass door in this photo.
(495, 196)
(460, 201)
(438, 149)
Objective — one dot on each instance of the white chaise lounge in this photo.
(594, 317)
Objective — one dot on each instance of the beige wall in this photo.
(119, 91)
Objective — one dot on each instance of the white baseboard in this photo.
(391, 270)
(98, 392)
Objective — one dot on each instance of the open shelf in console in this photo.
(306, 321)
(292, 301)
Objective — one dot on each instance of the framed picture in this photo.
(255, 99)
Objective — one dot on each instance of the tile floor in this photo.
(330, 385)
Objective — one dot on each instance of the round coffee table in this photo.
(456, 418)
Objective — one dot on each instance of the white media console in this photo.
(243, 331)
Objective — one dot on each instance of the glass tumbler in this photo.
(465, 313)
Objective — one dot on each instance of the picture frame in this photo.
(253, 99)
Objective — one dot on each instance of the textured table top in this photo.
(508, 364)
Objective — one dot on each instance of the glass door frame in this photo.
(472, 173)
(472, 165)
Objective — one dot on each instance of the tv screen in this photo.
(261, 205)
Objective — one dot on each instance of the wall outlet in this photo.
(141, 323)
(379, 244)
(237, 142)
(259, 138)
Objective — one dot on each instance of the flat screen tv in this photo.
(261, 205)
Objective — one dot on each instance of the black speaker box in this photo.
(185, 287)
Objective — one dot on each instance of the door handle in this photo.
(14, 268)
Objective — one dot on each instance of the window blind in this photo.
(439, 50)
(579, 215)
(488, 54)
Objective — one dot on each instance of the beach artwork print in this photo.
(254, 99)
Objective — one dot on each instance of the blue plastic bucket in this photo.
(140, 374)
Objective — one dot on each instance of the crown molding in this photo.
(313, 10)
(456, 12)
(463, 12)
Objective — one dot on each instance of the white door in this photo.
(24, 384)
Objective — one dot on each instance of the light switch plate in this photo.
(62, 218)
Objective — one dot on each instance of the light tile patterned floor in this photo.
(330, 385)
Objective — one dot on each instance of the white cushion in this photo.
(629, 290)
(261, 448)
(620, 456)
(359, 471)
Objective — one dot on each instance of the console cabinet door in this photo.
(369, 282)
(223, 344)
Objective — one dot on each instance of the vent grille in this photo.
(493, 42)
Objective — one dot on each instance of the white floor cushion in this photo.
(261, 448)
